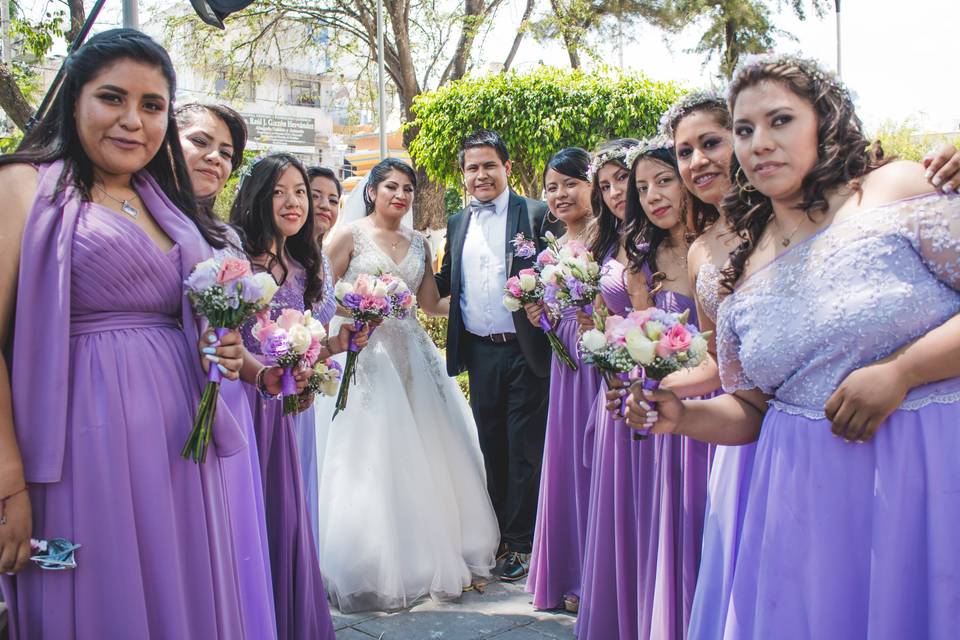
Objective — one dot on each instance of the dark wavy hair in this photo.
(844, 154)
(324, 172)
(703, 214)
(380, 172)
(643, 238)
(605, 235)
(572, 162)
(252, 214)
(55, 136)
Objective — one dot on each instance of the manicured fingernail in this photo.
(936, 181)
(948, 188)
(210, 351)
(644, 405)
(648, 394)
(212, 339)
(928, 174)
(213, 359)
(622, 392)
(222, 368)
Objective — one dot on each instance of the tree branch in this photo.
(521, 30)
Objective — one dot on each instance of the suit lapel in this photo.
(459, 238)
(513, 227)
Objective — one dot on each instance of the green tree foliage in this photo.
(904, 140)
(537, 113)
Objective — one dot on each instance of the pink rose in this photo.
(233, 269)
(546, 257)
(289, 318)
(616, 330)
(527, 272)
(577, 249)
(263, 330)
(513, 286)
(676, 338)
(313, 352)
(641, 317)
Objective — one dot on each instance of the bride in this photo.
(403, 505)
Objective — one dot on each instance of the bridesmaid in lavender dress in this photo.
(213, 138)
(558, 540)
(104, 374)
(838, 539)
(274, 211)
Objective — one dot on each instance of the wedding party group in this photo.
(714, 377)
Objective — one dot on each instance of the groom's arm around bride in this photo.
(506, 358)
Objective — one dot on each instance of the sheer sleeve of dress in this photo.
(932, 225)
(732, 376)
(234, 248)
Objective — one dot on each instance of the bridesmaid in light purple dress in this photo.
(559, 540)
(104, 372)
(849, 508)
(275, 214)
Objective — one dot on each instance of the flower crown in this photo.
(646, 146)
(808, 66)
(600, 159)
(687, 104)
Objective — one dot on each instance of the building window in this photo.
(305, 92)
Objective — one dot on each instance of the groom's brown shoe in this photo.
(515, 568)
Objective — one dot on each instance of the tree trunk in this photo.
(730, 52)
(12, 100)
(428, 209)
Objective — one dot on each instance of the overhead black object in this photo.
(213, 12)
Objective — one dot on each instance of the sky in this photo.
(898, 56)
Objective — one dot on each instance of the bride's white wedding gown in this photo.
(403, 504)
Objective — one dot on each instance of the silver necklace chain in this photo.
(125, 205)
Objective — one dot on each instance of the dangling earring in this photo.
(736, 180)
(552, 219)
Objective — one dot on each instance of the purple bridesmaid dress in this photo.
(299, 595)
(646, 516)
(101, 441)
(559, 538)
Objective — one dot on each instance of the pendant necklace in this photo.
(785, 241)
(125, 205)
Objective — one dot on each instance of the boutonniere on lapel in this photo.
(523, 247)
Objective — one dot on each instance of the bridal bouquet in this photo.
(370, 299)
(659, 342)
(570, 275)
(325, 377)
(526, 287)
(226, 293)
(292, 341)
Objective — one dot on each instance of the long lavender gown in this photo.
(158, 558)
(647, 502)
(559, 539)
(300, 598)
(845, 540)
(306, 423)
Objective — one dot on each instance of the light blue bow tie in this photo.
(476, 206)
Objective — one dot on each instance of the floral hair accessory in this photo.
(688, 104)
(646, 146)
(246, 171)
(600, 159)
(808, 66)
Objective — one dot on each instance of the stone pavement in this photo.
(503, 611)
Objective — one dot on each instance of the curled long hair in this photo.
(703, 214)
(606, 227)
(55, 136)
(186, 115)
(643, 238)
(844, 154)
(252, 214)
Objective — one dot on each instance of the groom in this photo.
(506, 358)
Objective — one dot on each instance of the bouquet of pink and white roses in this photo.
(370, 299)
(226, 293)
(524, 288)
(293, 340)
(659, 342)
(325, 377)
(570, 275)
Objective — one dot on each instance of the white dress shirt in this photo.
(484, 271)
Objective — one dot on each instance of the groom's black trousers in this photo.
(509, 405)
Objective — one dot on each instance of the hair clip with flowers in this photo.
(646, 146)
(688, 103)
(808, 66)
(246, 171)
(600, 159)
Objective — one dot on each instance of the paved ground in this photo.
(503, 611)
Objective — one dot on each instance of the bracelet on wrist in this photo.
(261, 387)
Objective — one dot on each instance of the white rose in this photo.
(511, 303)
(593, 340)
(316, 329)
(267, 285)
(593, 268)
(549, 274)
(640, 348)
(654, 329)
(698, 348)
(330, 387)
(300, 338)
(380, 289)
(528, 282)
(343, 288)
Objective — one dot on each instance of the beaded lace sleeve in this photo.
(932, 225)
(732, 376)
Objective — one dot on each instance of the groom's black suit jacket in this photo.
(523, 216)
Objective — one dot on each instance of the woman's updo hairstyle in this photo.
(380, 172)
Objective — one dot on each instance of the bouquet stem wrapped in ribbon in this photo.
(226, 293)
(292, 341)
(370, 300)
(659, 342)
(524, 288)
